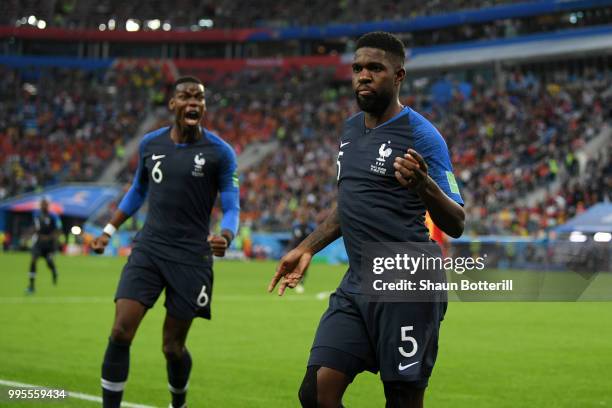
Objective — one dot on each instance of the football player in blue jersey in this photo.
(182, 168)
(393, 166)
(44, 242)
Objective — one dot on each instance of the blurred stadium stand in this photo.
(522, 93)
(102, 25)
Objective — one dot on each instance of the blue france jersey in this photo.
(182, 182)
(372, 205)
(46, 224)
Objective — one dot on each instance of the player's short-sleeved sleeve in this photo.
(430, 144)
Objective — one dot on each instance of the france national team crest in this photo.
(384, 151)
(198, 161)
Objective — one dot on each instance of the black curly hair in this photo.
(383, 41)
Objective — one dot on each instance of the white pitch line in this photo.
(67, 299)
(77, 395)
(11, 300)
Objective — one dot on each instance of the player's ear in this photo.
(171, 104)
(400, 75)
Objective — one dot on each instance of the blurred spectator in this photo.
(61, 125)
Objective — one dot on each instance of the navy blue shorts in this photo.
(188, 287)
(43, 248)
(398, 339)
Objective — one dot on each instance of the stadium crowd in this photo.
(228, 13)
(505, 144)
(67, 124)
(506, 141)
(263, 104)
(593, 185)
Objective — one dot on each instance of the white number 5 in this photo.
(203, 297)
(406, 337)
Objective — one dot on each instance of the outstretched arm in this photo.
(117, 219)
(293, 265)
(130, 203)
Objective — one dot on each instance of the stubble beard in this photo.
(375, 104)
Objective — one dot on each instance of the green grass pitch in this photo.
(253, 352)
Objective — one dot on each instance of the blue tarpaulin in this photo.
(73, 200)
(598, 218)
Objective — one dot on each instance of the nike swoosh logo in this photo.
(157, 157)
(343, 144)
(403, 367)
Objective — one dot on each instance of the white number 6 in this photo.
(406, 337)
(203, 297)
(156, 173)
